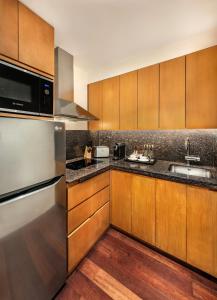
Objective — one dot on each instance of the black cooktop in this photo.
(82, 163)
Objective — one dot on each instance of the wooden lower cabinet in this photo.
(171, 218)
(84, 237)
(88, 215)
(133, 204)
(80, 192)
(121, 205)
(178, 219)
(143, 208)
(82, 212)
(202, 229)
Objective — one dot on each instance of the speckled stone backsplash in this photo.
(76, 140)
(168, 144)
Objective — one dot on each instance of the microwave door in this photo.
(19, 90)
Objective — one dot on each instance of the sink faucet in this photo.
(190, 157)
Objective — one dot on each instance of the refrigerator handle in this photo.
(32, 191)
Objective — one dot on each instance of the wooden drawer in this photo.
(83, 238)
(83, 211)
(82, 191)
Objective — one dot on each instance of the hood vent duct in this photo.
(64, 89)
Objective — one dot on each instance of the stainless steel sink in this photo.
(190, 170)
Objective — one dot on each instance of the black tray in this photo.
(150, 162)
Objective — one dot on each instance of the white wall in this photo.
(165, 52)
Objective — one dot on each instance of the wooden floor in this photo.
(120, 268)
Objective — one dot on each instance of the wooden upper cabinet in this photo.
(148, 97)
(36, 41)
(202, 229)
(9, 28)
(172, 94)
(111, 105)
(128, 101)
(171, 218)
(143, 208)
(121, 200)
(95, 104)
(201, 89)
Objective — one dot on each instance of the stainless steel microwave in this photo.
(24, 92)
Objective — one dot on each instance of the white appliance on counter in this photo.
(100, 151)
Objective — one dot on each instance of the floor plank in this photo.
(106, 282)
(80, 287)
(121, 268)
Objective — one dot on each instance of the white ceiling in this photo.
(102, 33)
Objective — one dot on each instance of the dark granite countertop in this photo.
(76, 176)
(159, 170)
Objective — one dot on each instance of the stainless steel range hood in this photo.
(65, 107)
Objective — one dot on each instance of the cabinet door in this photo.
(172, 94)
(171, 218)
(121, 205)
(95, 104)
(111, 104)
(201, 89)
(143, 208)
(148, 97)
(9, 28)
(202, 229)
(36, 41)
(128, 101)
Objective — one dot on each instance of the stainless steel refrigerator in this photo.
(32, 209)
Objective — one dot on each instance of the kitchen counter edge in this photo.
(158, 171)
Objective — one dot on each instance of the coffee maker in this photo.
(119, 151)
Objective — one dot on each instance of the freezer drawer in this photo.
(33, 244)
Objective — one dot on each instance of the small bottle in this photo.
(135, 152)
(145, 153)
(151, 154)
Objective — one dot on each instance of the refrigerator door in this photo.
(33, 244)
(31, 152)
